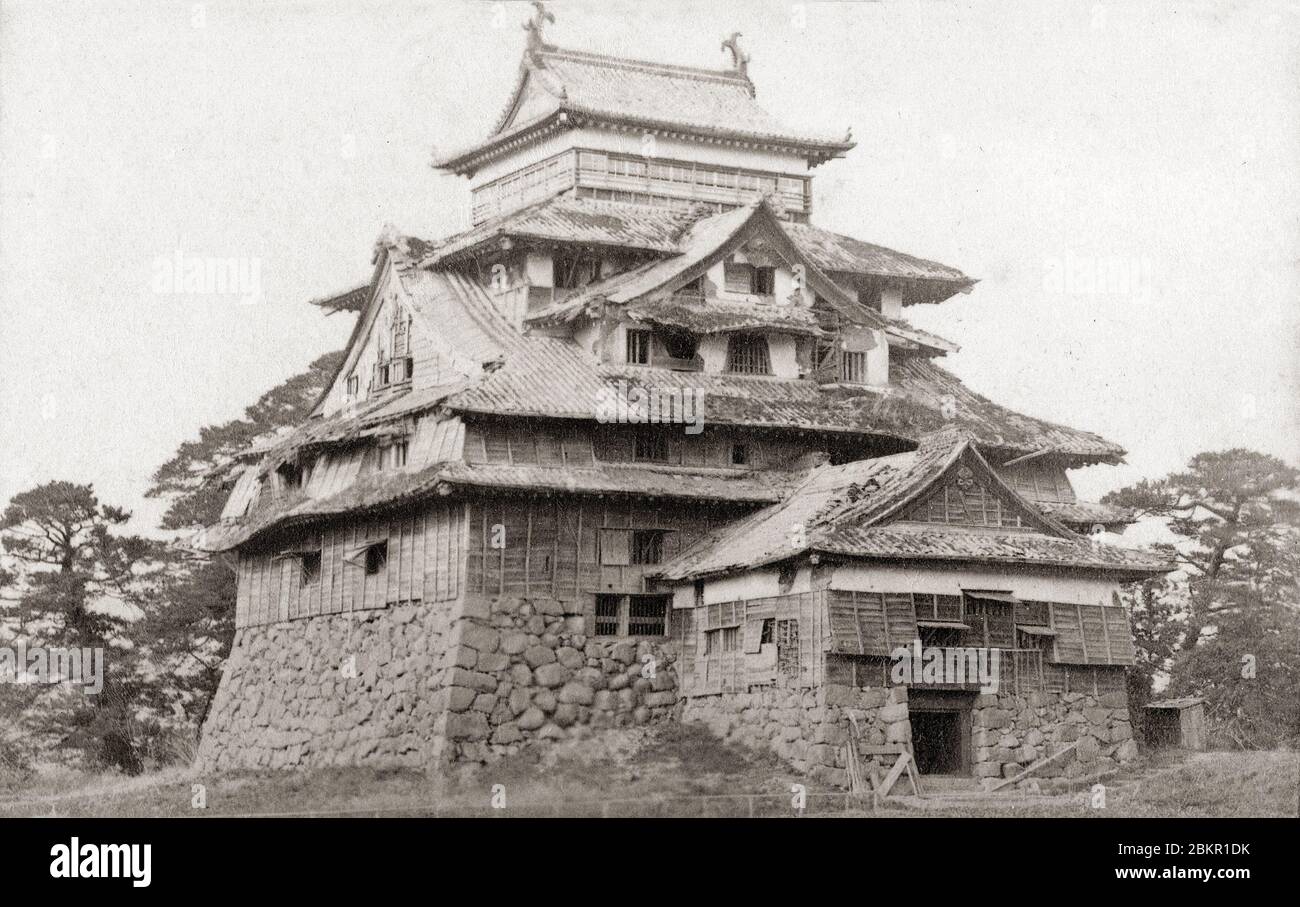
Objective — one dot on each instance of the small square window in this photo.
(354, 385)
(764, 281)
(376, 558)
(739, 455)
(397, 453)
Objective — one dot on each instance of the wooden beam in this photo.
(1035, 767)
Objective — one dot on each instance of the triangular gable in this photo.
(533, 97)
(704, 244)
(388, 272)
(966, 491)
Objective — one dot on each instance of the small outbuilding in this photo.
(1176, 722)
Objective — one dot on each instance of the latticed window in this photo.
(747, 354)
(401, 336)
(638, 347)
(853, 368)
(607, 616)
(631, 615)
(647, 615)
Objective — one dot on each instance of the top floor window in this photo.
(747, 355)
(401, 336)
(748, 279)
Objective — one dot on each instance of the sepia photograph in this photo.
(650, 411)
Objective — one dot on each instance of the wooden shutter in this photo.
(616, 547)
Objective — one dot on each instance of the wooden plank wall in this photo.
(552, 545)
(1091, 634)
(425, 562)
(734, 671)
(546, 445)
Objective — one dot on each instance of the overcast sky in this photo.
(1029, 144)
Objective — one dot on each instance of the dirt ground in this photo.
(671, 770)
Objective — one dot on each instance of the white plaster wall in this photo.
(891, 302)
(1041, 586)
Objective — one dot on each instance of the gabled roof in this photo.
(566, 218)
(856, 510)
(699, 248)
(559, 89)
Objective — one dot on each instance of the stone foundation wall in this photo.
(423, 685)
(1013, 732)
(526, 669)
(332, 690)
(808, 728)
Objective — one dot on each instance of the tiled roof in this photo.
(716, 315)
(550, 377)
(390, 489)
(851, 509)
(838, 253)
(1088, 513)
(353, 300)
(682, 483)
(616, 91)
(925, 543)
(995, 426)
(566, 218)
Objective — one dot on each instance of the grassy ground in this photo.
(672, 770)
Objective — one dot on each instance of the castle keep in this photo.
(644, 443)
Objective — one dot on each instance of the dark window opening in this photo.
(768, 633)
(376, 558)
(764, 282)
(650, 446)
(739, 455)
(638, 347)
(569, 272)
(679, 344)
(290, 474)
(870, 298)
(747, 355)
(310, 568)
(647, 546)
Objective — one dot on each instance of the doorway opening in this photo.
(938, 742)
